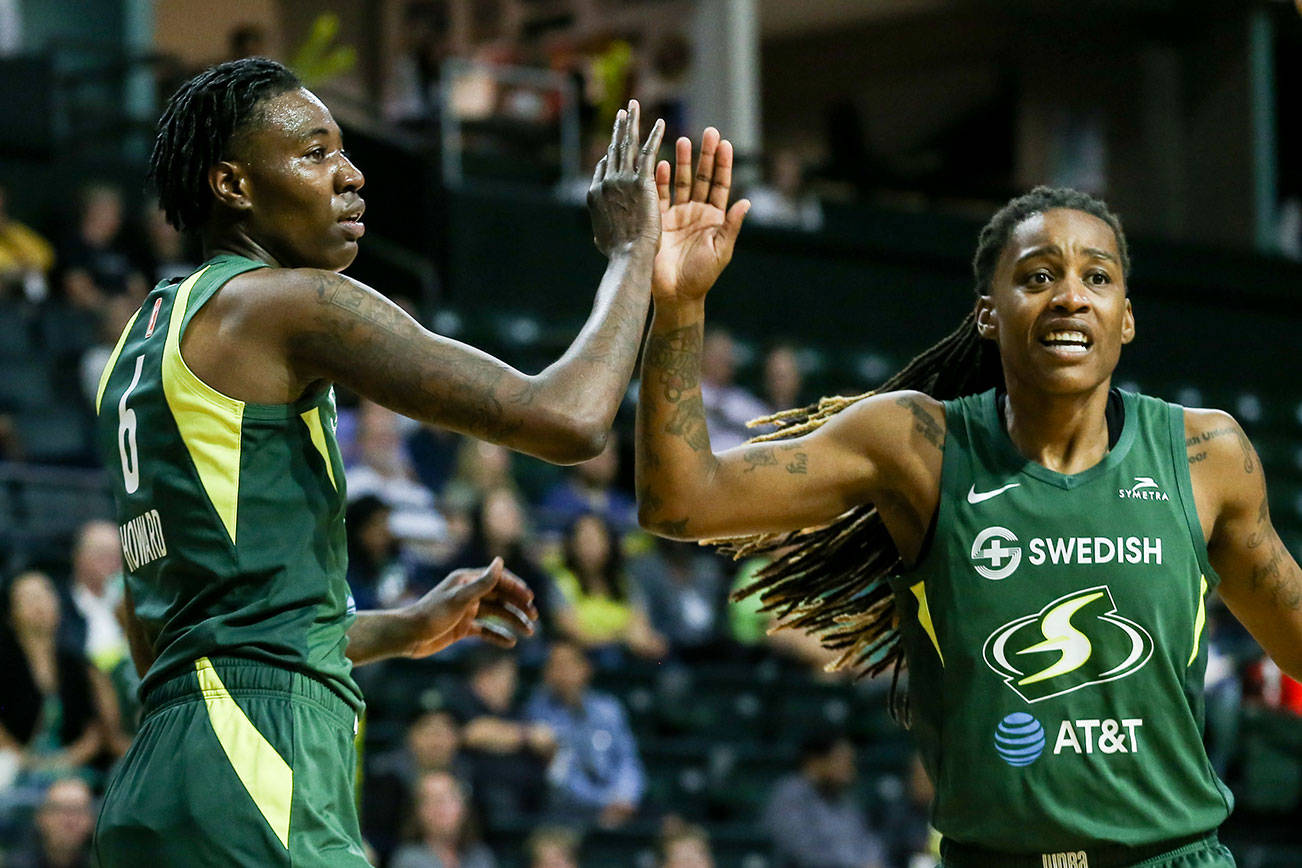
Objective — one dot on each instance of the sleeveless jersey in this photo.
(231, 514)
(1054, 637)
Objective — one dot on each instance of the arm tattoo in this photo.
(615, 345)
(759, 458)
(1281, 583)
(688, 422)
(675, 356)
(468, 389)
(1258, 537)
(800, 465)
(1249, 462)
(924, 423)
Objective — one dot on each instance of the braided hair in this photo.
(198, 126)
(833, 581)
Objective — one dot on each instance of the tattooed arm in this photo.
(339, 330)
(886, 449)
(1260, 581)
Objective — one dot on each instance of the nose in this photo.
(1071, 296)
(349, 177)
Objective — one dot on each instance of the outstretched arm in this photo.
(871, 451)
(1260, 581)
(342, 331)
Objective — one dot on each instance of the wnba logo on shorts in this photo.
(1074, 859)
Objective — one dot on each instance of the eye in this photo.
(1041, 277)
(317, 154)
(1099, 277)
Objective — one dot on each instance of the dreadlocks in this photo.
(197, 128)
(833, 581)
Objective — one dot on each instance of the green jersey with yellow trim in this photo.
(1054, 634)
(231, 514)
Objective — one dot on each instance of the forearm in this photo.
(674, 459)
(588, 382)
(376, 635)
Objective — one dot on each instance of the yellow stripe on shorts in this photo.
(267, 777)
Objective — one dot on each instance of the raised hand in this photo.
(699, 230)
(622, 198)
(457, 606)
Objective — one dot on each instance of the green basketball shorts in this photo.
(1195, 851)
(236, 763)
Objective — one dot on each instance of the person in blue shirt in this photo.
(596, 775)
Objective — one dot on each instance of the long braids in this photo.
(833, 581)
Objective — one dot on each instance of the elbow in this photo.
(655, 522)
(575, 442)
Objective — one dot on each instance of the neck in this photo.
(233, 239)
(1065, 433)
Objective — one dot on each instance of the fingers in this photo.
(632, 136)
(599, 173)
(614, 153)
(682, 170)
(646, 164)
(482, 583)
(705, 165)
(662, 184)
(512, 617)
(512, 591)
(722, 181)
(732, 222)
(495, 633)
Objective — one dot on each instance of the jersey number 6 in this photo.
(127, 435)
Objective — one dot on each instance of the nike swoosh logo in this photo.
(974, 497)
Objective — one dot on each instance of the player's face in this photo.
(1058, 308)
(301, 188)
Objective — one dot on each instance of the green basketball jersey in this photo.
(231, 514)
(1054, 636)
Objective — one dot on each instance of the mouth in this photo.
(1067, 342)
(351, 221)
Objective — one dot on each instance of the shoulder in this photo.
(1223, 466)
(1214, 439)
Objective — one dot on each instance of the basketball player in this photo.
(216, 422)
(1045, 543)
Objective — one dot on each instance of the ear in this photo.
(986, 322)
(1128, 324)
(229, 185)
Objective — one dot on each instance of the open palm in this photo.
(698, 230)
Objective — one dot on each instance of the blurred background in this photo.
(653, 722)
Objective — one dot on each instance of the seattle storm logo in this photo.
(1092, 642)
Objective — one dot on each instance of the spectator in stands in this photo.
(94, 262)
(499, 528)
(685, 846)
(813, 818)
(783, 200)
(376, 575)
(63, 827)
(165, 256)
(728, 407)
(596, 776)
(553, 847)
(783, 382)
(382, 468)
(49, 719)
(508, 754)
(906, 822)
(95, 588)
(443, 835)
(590, 487)
(412, 90)
(432, 743)
(595, 607)
(480, 468)
(116, 313)
(683, 586)
(25, 257)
